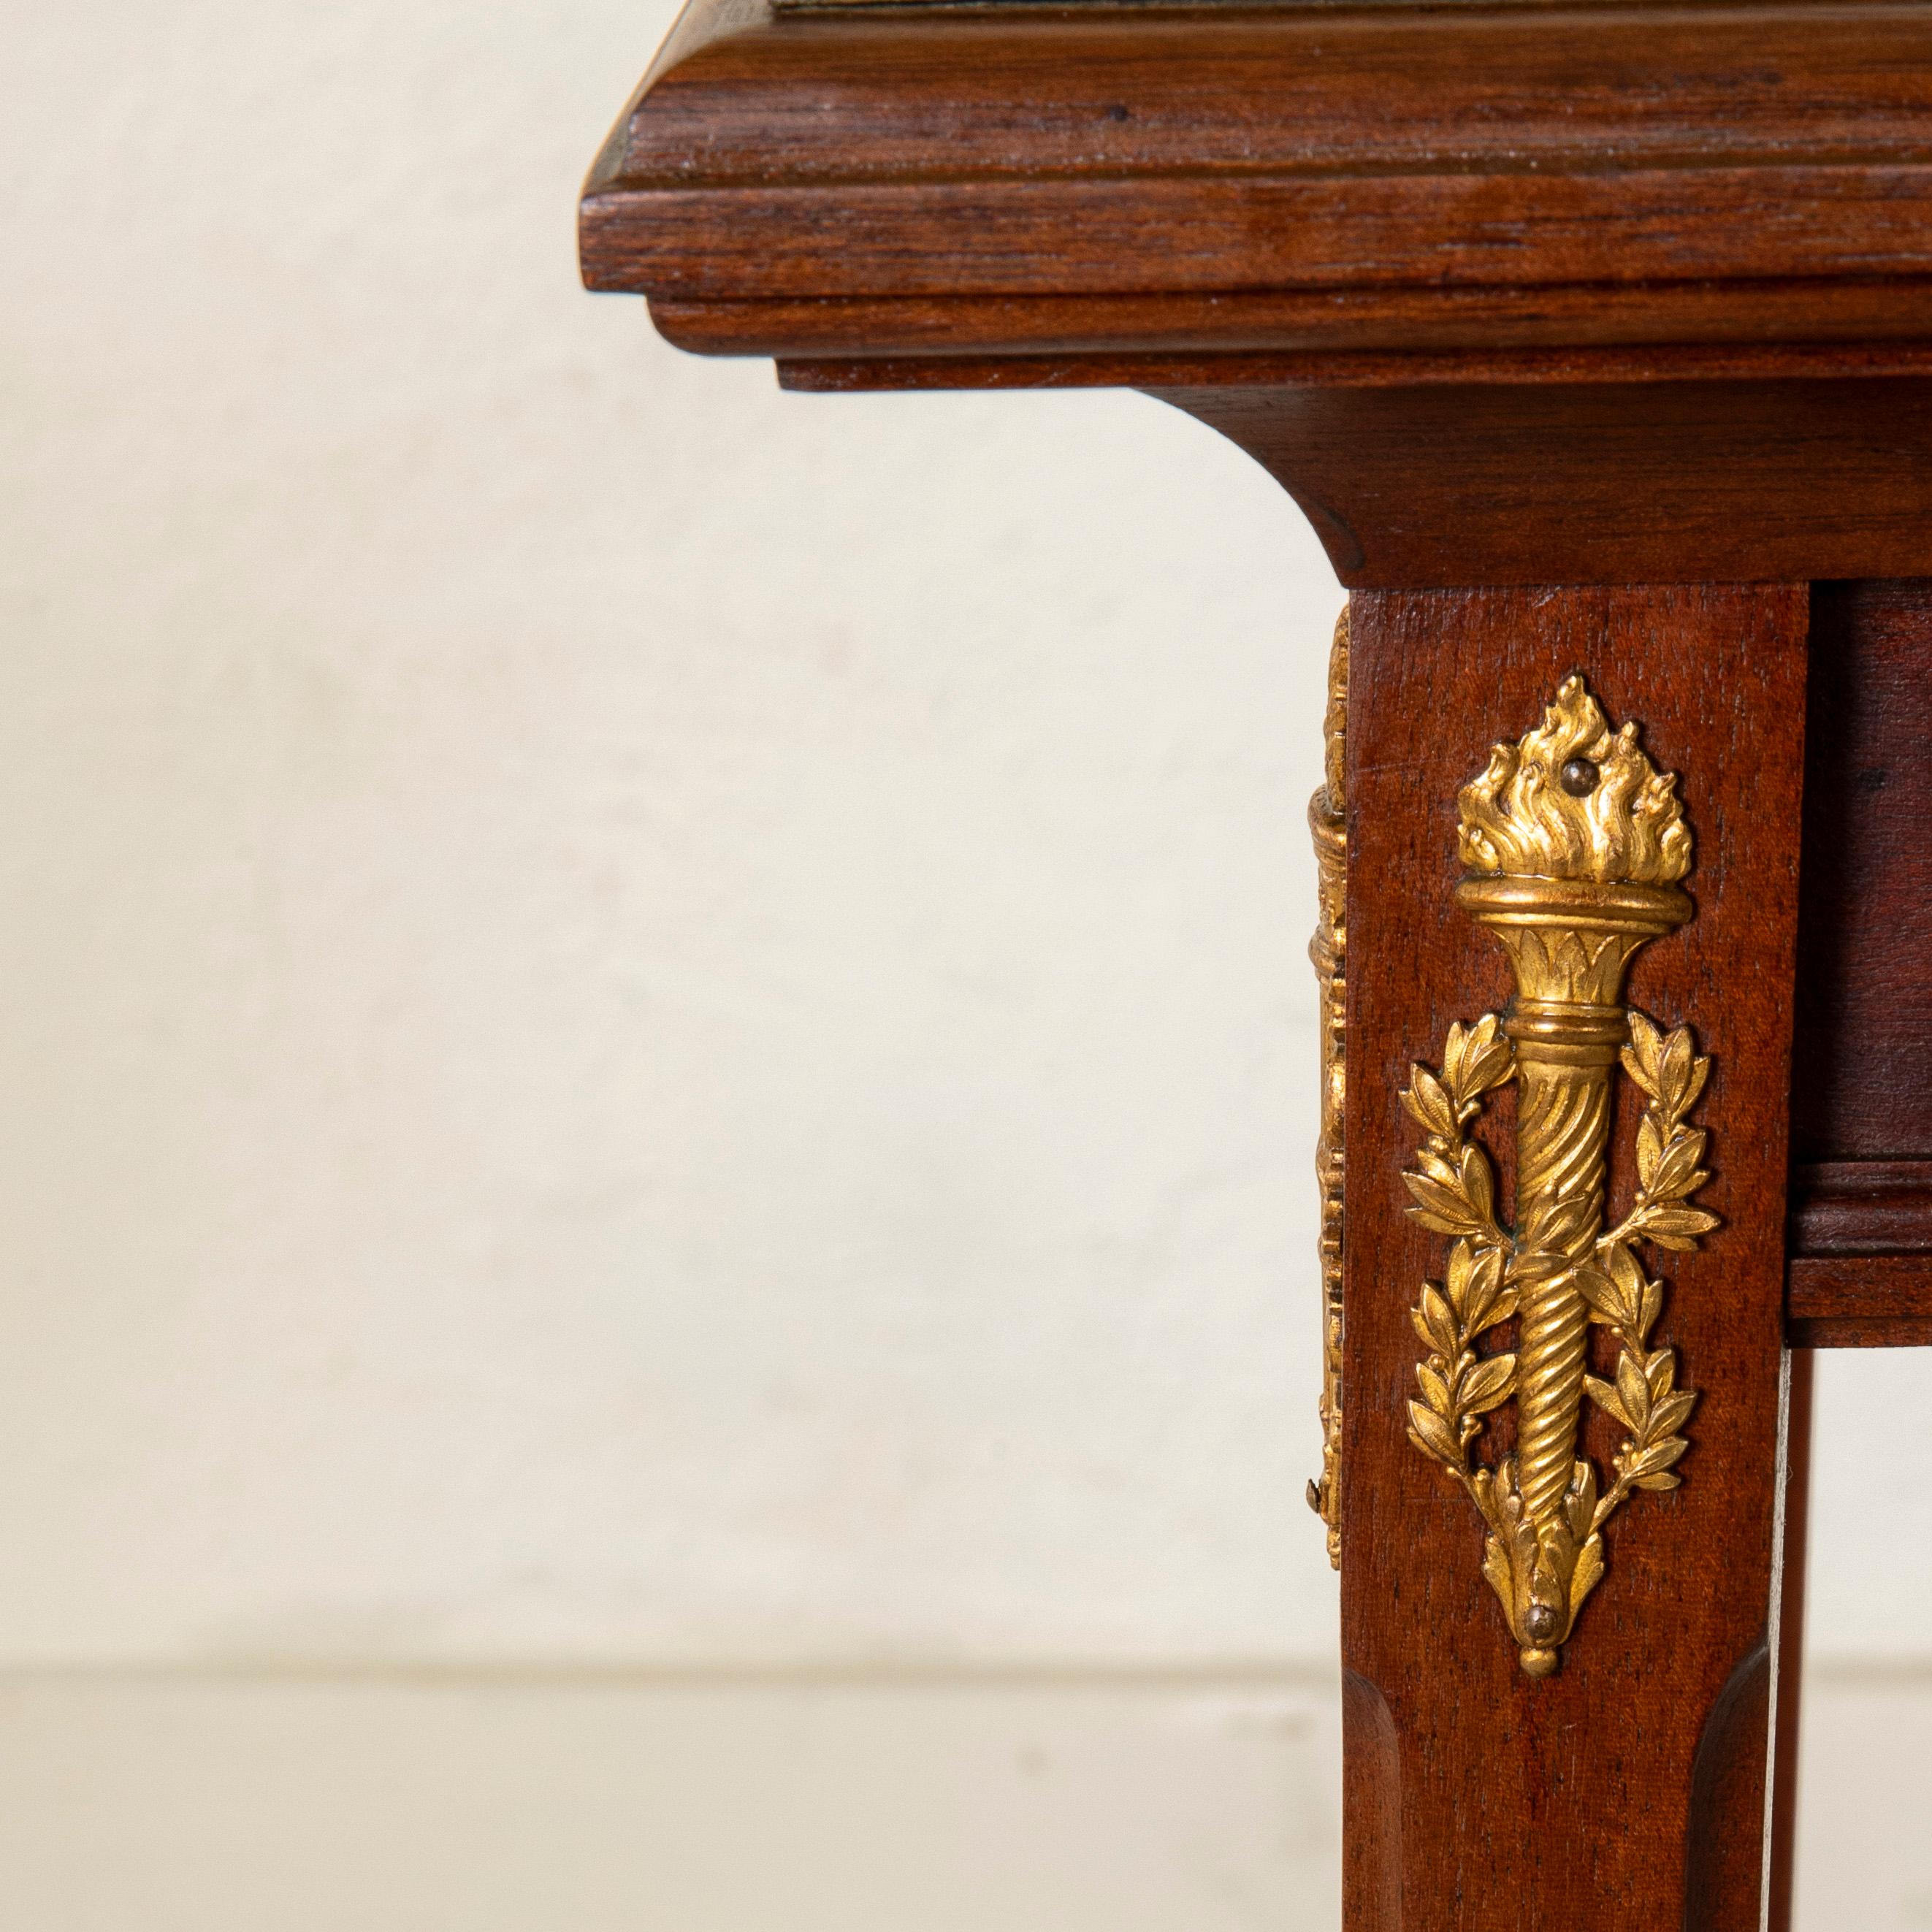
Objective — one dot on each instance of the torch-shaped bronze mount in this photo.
(1578, 844)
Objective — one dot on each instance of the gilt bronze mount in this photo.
(1329, 950)
(1576, 846)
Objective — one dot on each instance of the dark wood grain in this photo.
(1861, 1207)
(1862, 1069)
(1860, 1268)
(1862, 1103)
(1655, 481)
(1207, 150)
(1860, 1247)
(1577, 468)
(1629, 1788)
(1861, 1301)
(1338, 334)
(1788, 1690)
(1581, 363)
(1132, 92)
(983, 238)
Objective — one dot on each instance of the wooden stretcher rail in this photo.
(1860, 1268)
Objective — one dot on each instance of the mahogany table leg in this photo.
(1791, 1640)
(1630, 1787)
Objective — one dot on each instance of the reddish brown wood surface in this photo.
(904, 154)
(1339, 334)
(1861, 1301)
(1861, 1240)
(1507, 483)
(1581, 363)
(1861, 1084)
(1861, 1207)
(1862, 1071)
(1630, 1789)
(997, 237)
(1582, 469)
(1788, 1723)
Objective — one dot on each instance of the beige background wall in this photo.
(655, 1266)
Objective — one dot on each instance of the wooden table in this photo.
(1594, 342)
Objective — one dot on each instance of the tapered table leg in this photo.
(1791, 1641)
(1560, 1632)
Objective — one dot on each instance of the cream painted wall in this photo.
(649, 1027)
(658, 1021)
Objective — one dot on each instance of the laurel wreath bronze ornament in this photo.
(1574, 846)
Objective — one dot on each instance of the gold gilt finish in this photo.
(1575, 845)
(1329, 950)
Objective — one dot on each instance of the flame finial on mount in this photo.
(1572, 800)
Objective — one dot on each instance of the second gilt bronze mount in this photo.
(1574, 846)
